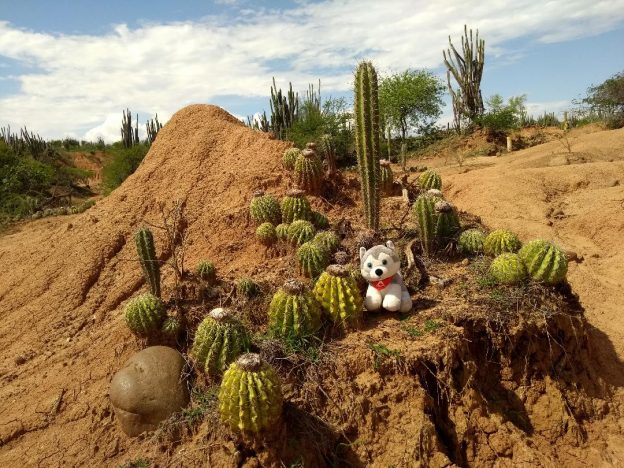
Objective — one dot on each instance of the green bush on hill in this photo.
(121, 164)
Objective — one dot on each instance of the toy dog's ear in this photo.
(362, 252)
(390, 245)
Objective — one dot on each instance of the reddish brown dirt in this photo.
(63, 283)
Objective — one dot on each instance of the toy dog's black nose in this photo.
(379, 272)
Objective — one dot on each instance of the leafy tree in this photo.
(500, 116)
(410, 100)
(608, 96)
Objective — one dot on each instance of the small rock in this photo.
(21, 359)
(465, 262)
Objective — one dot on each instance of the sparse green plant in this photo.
(137, 463)
(381, 352)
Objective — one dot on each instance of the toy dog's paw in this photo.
(391, 303)
(372, 303)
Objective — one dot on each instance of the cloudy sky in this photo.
(68, 68)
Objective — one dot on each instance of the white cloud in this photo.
(82, 81)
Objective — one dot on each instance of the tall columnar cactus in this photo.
(219, 340)
(308, 171)
(508, 268)
(367, 139)
(312, 259)
(386, 178)
(206, 271)
(281, 230)
(447, 221)
(471, 242)
(265, 209)
(289, 158)
(295, 206)
(144, 240)
(300, 231)
(144, 315)
(250, 397)
(339, 296)
(319, 220)
(544, 261)
(294, 311)
(430, 180)
(426, 217)
(327, 239)
(266, 235)
(501, 241)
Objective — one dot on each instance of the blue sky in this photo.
(70, 67)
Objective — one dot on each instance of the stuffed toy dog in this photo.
(380, 266)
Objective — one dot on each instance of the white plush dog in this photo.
(380, 266)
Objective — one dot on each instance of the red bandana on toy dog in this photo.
(381, 284)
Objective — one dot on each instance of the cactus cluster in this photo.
(327, 239)
(312, 259)
(386, 179)
(308, 171)
(337, 292)
(266, 235)
(367, 139)
(508, 268)
(289, 158)
(300, 232)
(219, 340)
(144, 315)
(501, 241)
(144, 241)
(265, 209)
(250, 397)
(430, 180)
(293, 311)
(295, 206)
(471, 242)
(206, 271)
(544, 261)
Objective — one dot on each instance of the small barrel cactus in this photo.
(337, 292)
(171, 328)
(206, 271)
(295, 206)
(501, 241)
(250, 397)
(471, 242)
(544, 261)
(300, 231)
(247, 288)
(293, 311)
(265, 209)
(430, 180)
(219, 340)
(447, 221)
(145, 315)
(312, 259)
(327, 239)
(308, 171)
(289, 158)
(281, 231)
(266, 234)
(386, 179)
(147, 256)
(508, 268)
(319, 220)
(426, 217)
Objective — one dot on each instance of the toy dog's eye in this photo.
(369, 265)
(385, 262)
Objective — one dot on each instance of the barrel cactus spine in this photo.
(430, 180)
(144, 240)
(295, 206)
(300, 232)
(294, 311)
(250, 397)
(220, 338)
(367, 139)
(471, 242)
(266, 235)
(308, 171)
(328, 239)
(312, 259)
(337, 292)
(264, 208)
(386, 179)
(144, 315)
(501, 241)
(544, 261)
(289, 158)
(508, 268)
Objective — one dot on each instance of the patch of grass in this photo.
(382, 352)
(136, 463)
(414, 331)
(204, 401)
(307, 346)
(429, 327)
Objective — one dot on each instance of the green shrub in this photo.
(500, 116)
(122, 163)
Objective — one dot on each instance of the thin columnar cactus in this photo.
(447, 221)
(312, 259)
(544, 261)
(430, 180)
(281, 230)
(266, 235)
(367, 139)
(289, 158)
(250, 397)
(265, 209)
(426, 216)
(308, 171)
(319, 220)
(339, 296)
(144, 315)
(300, 231)
(144, 240)
(501, 241)
(327, 239)
(386, 179)
(295, 206)
(471, 242)
(206, 271)
(508, 268)
(219, 340)
(293, 311)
